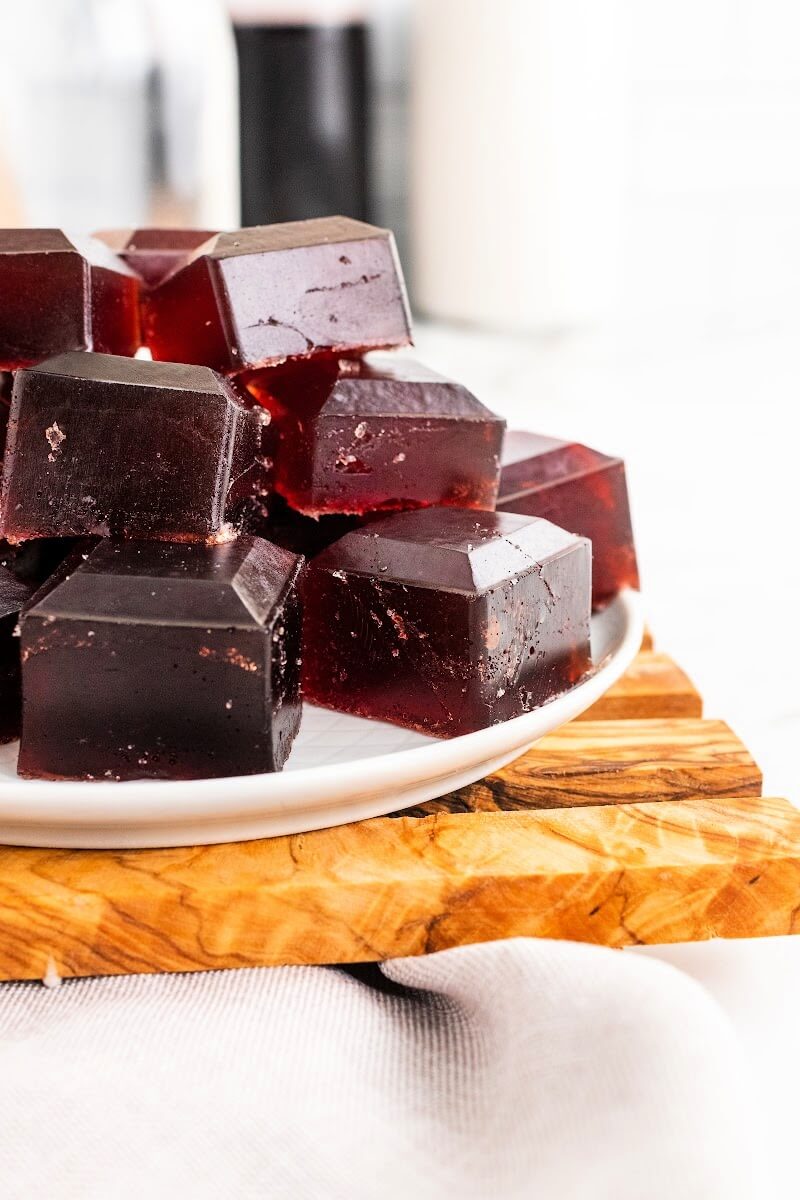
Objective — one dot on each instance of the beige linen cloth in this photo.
(516, 1069)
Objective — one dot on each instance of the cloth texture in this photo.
(514, 1069)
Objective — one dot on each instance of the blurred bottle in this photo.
(303, 68)
(118, 113)
(389, 29)
(517, 161)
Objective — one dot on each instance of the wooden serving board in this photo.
(639, 823)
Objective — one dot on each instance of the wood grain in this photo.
(617, 875)
(614, 762)
(654, 686)
(639, 823)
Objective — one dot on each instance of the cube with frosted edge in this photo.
(447, 620)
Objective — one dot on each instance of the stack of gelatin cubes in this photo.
(264, 508)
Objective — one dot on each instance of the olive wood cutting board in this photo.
(640, 823)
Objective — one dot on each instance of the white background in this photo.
(707, 425)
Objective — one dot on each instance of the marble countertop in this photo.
(707, 424)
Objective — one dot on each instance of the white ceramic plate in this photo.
(341, 769)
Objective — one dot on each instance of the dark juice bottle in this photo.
(303, 111)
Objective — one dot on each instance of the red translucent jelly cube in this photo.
(163, 660)
(261, 295)
(154, 253)
(447, 620)
(352, 436)
(579, 489)
(62, 294)
(13, 594)
(102, 445)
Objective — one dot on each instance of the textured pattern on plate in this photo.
(329, 737)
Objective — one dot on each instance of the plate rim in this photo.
(128, 806)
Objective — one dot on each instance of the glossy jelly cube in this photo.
(163, 660)
(104, 445)
(271, 292)
(447, 620)
(153, 254)
(61, 293)
(360, 436)
(581, 490)
(13, 594)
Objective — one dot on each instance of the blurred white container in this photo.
(118, 112)
(517, 161)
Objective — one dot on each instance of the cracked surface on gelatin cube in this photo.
(580, 489)
(63, 293)
(264, 294)
(152, 659)
(447, 620)
(100, 444)
(379, 434)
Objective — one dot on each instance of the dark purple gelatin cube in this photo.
(361, 436)
(163, 660)
(61, 294)
(34, 562)
(101, 445)
(447, 620)
(271, 292)
(579, 489)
